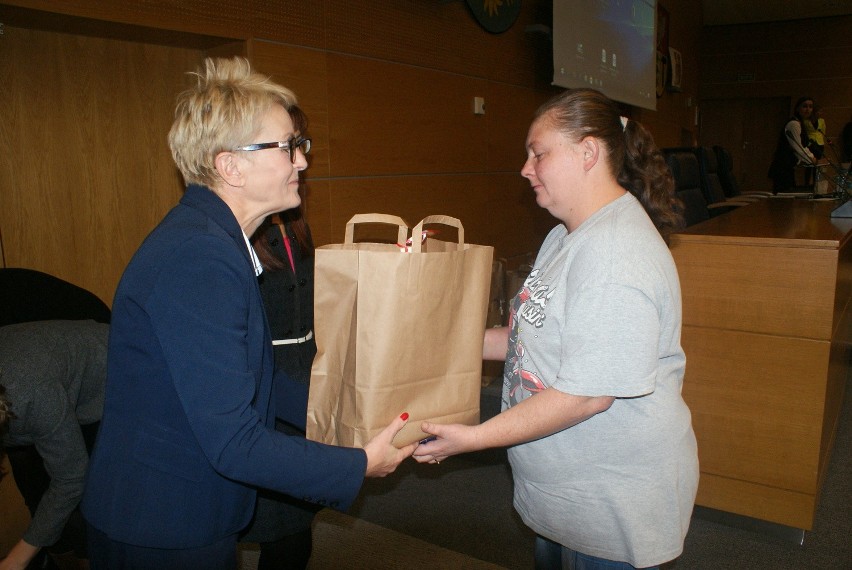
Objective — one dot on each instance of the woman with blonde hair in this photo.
(187, 435)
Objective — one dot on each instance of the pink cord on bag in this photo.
(408, 242)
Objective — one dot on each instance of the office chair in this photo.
(710, 184)
(30, 295)
(684, 169)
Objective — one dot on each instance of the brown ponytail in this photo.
(634, 159)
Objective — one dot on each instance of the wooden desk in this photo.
(767, 332)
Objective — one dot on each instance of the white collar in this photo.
(258, 268)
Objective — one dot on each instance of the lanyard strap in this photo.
(287, 246)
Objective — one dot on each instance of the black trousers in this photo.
(108, 554)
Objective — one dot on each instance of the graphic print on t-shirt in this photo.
(527, 310)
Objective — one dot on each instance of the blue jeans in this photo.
(550, 555)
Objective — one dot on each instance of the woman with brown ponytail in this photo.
(600, 440)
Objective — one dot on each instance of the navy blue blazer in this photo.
(186, 433)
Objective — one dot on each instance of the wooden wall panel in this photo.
(766, 67)
(781, 59)
(738, 388)
(305, 71)
(509, 111)
(411, 198)
(750, 288)
(374, 171)
(387, 118)
(434, 34)
(85, 172)
(497, 210)
(515, 223)
(414, 33)
(298, 22)
(766, 296)
(388, 88)
(772, 504)
(780, 37)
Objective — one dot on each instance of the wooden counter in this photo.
(766, 331)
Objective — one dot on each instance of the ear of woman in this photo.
(591, 151)
(228, 168)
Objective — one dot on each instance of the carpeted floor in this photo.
(343, 541)
(459, 515)
(463, 508)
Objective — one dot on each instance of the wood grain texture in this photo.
(766, 305)
(738, 387)
(305, 72)
(85, 168)
(496, 209)
(403, 120)
(388, 88)
(771, 504)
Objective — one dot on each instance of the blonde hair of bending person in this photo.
(222, 111)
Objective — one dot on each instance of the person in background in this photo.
(187, 433)
(282, 524)
(846, 144)
(815, 130)
(600, 441)
(792, 148)
(52, 376)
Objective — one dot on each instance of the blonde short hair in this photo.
(223, 111)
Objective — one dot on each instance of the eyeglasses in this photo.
(289, 145)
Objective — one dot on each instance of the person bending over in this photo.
(52, 376)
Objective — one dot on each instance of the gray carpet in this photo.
(344, 542)
(464, 505)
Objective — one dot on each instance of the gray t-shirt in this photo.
(600, 315)
(54, 373)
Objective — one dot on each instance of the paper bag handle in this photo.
(417, 243)
(401, 235)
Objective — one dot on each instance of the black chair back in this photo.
(710, 183)
(725, 169)
(29, 295)
(685, 171)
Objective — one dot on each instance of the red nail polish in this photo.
(404, 416)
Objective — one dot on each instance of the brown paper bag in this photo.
(397, 332)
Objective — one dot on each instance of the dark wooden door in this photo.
(749, 129)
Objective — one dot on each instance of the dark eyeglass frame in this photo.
(289, 145)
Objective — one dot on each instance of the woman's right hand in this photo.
(382, 456)
(449, 440)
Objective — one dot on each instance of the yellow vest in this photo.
(816, 134)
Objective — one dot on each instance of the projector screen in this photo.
(608, 45)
